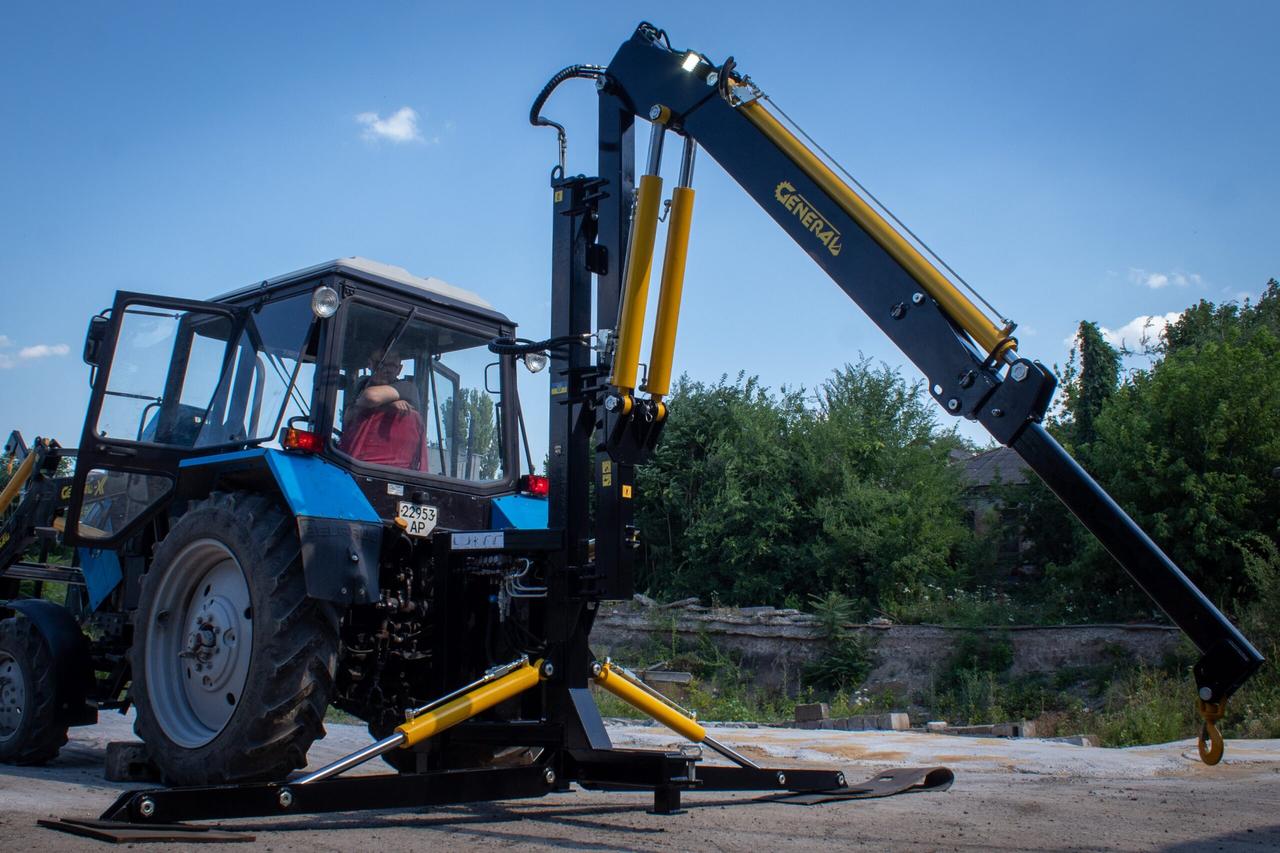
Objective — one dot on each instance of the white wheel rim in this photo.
(199, 643)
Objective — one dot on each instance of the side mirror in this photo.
(93, 339)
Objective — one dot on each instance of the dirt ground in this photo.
(1008, 795)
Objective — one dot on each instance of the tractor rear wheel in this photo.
(232, 662)
(31, 728)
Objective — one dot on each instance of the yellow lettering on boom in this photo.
(810, 218)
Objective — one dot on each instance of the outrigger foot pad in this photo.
(900, 780)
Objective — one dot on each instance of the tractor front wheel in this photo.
(232, 662)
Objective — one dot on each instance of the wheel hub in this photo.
(197, 655)
(13, 695)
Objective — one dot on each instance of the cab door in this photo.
(165, 378)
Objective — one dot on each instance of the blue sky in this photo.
(1073, 161)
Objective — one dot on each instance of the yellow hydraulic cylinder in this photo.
(993, 340)
(469, 705)
(670, 291)
(618, 684)
(635, 287)
(634, 692)
(16, 483)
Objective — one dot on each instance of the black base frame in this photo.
(666, 774)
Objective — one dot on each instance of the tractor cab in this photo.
(374, 370)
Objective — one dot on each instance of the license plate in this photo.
(419, 519)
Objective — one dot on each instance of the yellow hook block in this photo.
(1210, 741)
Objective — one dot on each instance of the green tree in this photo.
(875, 468)
(1086, 392)
(1187, 447)
(472, 436)
(754, 497)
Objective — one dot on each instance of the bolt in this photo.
(147, 807)
(600, 83)
(1018, 372)
(550, 776)
(967, 380)
(953, 405)
(342, 591)
(547, 669)
(355, 558)
(898, 311)
(285, 798)
(840, 779)
(596, 669)
(713, 78)
(997, 413)
(655, 112)
(782, 778)
(1206, 693)
(917, 298)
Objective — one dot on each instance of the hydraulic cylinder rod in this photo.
(671, 289)
(617, 681)
(491, 691)
(635, 283)
(994, 341)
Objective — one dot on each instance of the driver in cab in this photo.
(383, 425)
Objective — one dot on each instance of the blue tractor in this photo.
(254, 497)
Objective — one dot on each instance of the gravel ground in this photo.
(1008, 795)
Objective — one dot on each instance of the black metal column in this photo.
(614, 478)
(1229, 659)
(573, 590)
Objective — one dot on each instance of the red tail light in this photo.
(535, 486)
(300, 439)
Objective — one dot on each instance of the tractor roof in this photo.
(392, 277)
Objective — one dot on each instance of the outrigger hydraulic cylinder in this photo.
(495, 686)
(635, 692)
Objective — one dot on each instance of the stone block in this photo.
(813, 711)
(127, 762)
(895, 721)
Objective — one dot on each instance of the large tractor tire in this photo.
(32, 729)
(232, 663)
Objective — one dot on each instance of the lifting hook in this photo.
(1210, 741)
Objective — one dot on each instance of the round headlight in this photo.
(324, 302)
(535, 361)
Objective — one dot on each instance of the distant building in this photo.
(989, 478)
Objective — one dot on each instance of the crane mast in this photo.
(970, 360)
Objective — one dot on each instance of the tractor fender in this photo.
(69, 649)
(340, 533)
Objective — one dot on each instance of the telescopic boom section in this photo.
(969, 359)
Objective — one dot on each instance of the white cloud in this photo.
(1157, 280)
(26, 353)
(43, 350)
(1143, 329)
(400, 126)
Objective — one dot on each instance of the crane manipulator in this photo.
(605, 421)
(970, 360)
